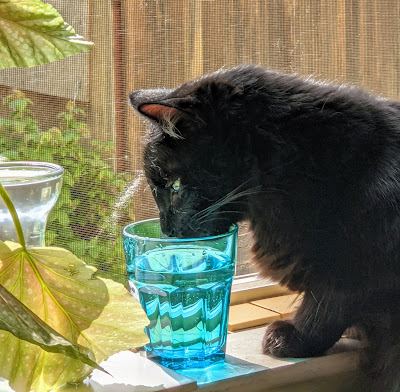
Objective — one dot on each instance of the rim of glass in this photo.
(234, 228)
(56, 170)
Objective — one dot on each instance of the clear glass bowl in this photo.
(33, 188)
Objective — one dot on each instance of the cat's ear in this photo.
(167, 115)
(159, 106)
(159, 111)
(154, 104)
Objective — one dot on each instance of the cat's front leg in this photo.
(317, 325)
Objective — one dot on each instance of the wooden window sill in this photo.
(246, 368)
(251, 287)
(262, 311)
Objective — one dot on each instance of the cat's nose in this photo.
(170, 232)
(166, 228)
(139, 97)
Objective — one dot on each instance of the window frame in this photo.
(251, 287)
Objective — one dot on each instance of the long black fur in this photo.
(315, 169)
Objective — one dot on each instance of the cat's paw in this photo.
(281, 339)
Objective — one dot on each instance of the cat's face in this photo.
(191, 160)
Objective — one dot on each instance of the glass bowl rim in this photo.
(57, 170)
(233, 229)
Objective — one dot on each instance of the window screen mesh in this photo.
(79, 104)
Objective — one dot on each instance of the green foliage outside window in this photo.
(82, 220)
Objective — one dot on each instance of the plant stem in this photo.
(14, 215)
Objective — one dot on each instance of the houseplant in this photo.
(89, 217)
(48, 293)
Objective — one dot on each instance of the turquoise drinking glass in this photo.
(184, 286)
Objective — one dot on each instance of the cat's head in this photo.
(195, 159)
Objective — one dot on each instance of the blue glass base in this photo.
(192, 363)
(186, 362)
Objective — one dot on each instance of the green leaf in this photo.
(91, 312)
(13, 155)
(68, 179)
(79, 247)
(24, 324)
(34, 33)
(50, 236)
(94, 250)
(20, 105)
(63, 218)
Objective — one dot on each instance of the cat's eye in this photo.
(176, 185)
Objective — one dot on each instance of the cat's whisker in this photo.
(217, 213)
(213, 219)
(226, 200)
(191, 227)
(205, 215)
(232, 192)
(232, 195)
(251, 191)
(208, 214)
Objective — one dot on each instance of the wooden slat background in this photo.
(346, 41)
(153, 43)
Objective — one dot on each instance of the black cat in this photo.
(315, 169)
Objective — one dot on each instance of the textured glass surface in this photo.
(33, 188)
(184, 286)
